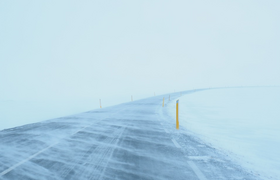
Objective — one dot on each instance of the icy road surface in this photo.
(136, 140)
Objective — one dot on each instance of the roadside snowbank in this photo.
(244, 122)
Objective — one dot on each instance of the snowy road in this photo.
(136, 140)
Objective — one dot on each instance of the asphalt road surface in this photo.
(135, 140)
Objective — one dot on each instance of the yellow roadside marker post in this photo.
(163, 103)
(100, 103)
(177, 114)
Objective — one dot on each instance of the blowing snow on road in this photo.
(136, 140)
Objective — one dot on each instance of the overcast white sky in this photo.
(106, 49)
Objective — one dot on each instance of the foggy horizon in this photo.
(71, 50)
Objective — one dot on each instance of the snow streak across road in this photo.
(136, 140)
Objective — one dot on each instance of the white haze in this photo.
(83, 51)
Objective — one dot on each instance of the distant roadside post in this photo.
(100, 103)
(131, 98)
(177, 114)
(163, 102)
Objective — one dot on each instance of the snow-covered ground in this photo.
(17, 112)
(243, 122)
(20, 112)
